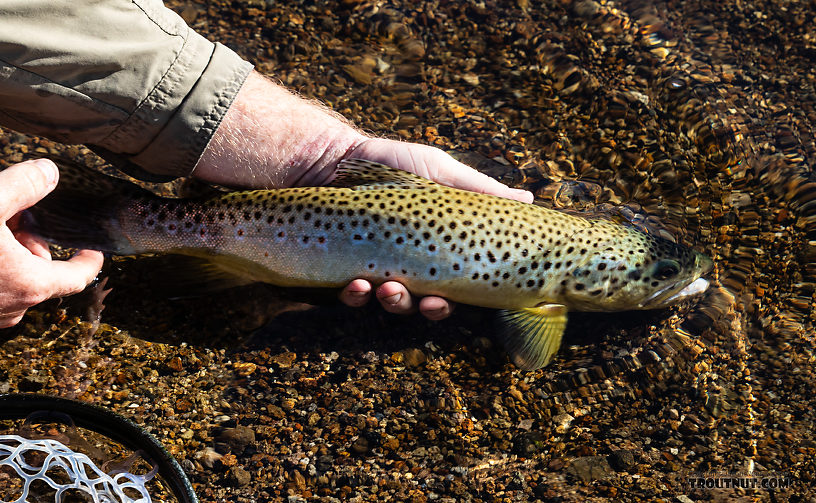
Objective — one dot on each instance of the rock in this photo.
(529, 443)
(275, 411)
(360, 446)
(33, 382)
(325, 463)
(238, 477)
(413, 357)
(622, 460)
(562, 422)
(208, 457)
(590, 468)
(237, 438)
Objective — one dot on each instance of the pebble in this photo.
(237, 438)
(239, 477)
(622, 460)
(590, 468)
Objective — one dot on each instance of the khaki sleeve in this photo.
(128, 78)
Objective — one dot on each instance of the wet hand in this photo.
(28, 276)
(432, 163)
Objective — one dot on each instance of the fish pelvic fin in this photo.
(532, 336)
(360, 174)
(184, 276)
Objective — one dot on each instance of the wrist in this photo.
(271, 137)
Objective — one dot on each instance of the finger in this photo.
(435, 308)
(431, 162)
(37, 246)
(23, 184)
(395, 298)
(11, 320)
(464, 177)
(356, 293)
(73, 275)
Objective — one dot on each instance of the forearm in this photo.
(271, 137)
(126, 77)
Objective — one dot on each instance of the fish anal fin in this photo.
(532, 336)
(360, 174)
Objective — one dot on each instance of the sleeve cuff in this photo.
(184, 122)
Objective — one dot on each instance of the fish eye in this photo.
(666, 269)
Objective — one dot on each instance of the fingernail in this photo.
(356, 293)
(48, 169)
(392, 299)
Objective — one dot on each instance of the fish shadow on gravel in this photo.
(264, 317)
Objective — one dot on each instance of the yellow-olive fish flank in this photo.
(382, 224)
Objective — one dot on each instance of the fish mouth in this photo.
(667, 295)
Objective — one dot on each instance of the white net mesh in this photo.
(50, 462)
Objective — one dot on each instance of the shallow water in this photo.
(695, 120)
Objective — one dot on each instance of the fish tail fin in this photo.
(532, 336)
(75, 219)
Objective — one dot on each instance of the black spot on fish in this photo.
(432, 271)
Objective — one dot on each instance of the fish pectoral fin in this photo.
(532, 336)
(360, 174)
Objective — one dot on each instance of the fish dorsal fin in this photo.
(532, 336)
(360, 174)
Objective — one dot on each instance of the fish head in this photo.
(623, 268)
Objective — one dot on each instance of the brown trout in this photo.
(381, 224)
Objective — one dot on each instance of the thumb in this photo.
(23, 184)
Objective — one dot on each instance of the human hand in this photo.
(434, 164)
(28, 276)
